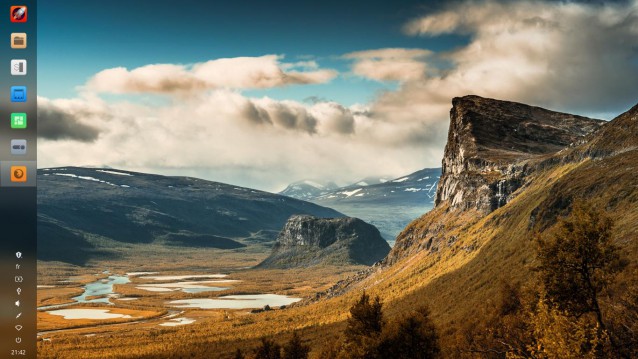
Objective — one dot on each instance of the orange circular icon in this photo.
(18, 173)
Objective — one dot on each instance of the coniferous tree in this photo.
(363, 329)
(366, 318)
(268, 350)
(413, 337)
(295, 349)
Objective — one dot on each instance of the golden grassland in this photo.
(48, 321)
(458, 279)
(147, 337)
(54, 296)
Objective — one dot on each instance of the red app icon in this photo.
(19, 13)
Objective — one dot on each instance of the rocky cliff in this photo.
(306, 241)
(490, 144)
(456, 261)
(494, 147)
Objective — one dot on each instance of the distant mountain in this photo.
(308, 241)
(368, 181)
(387, 204)
(416, 188)
(307, 189)
(84, 212)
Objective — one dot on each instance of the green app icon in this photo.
(18, 120)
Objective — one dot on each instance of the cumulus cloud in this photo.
(334, 118)
(305, 65)
(63, 121)
(564, 55)
(567, 56)
(234, 73)
(391, 64)
(287, 114)
(226, 136)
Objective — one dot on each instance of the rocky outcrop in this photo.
(459, 257)
(307, 241)
(494, 147)
(490, 145)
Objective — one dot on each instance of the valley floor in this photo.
(120, 308)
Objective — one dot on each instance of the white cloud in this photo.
(334, 118)
(235, 73)
(390, 64)
(306, 65)
(226, 136)
(565, 56)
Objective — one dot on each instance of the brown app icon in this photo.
(18, 173)
(18, 40)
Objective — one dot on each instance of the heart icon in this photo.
(18, 327)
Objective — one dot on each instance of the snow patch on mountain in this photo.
(350, 193)
(87, 178)
(114, 173)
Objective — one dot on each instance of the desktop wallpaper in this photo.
(414, 179)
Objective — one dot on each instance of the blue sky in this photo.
(78, 40)
(155, 96)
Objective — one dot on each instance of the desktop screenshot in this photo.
(319, 180)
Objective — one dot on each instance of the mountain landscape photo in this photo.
(421, 179)
(371, 199)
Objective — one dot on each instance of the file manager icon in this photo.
(18, 40)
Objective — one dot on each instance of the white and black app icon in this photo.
(18, 67)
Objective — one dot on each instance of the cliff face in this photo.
(306, 241)
(490, 144)
(456, 260)
(494, 148)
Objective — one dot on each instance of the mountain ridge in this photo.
(307, 189)
(96, 209)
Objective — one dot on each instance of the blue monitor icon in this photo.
(18, 94)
